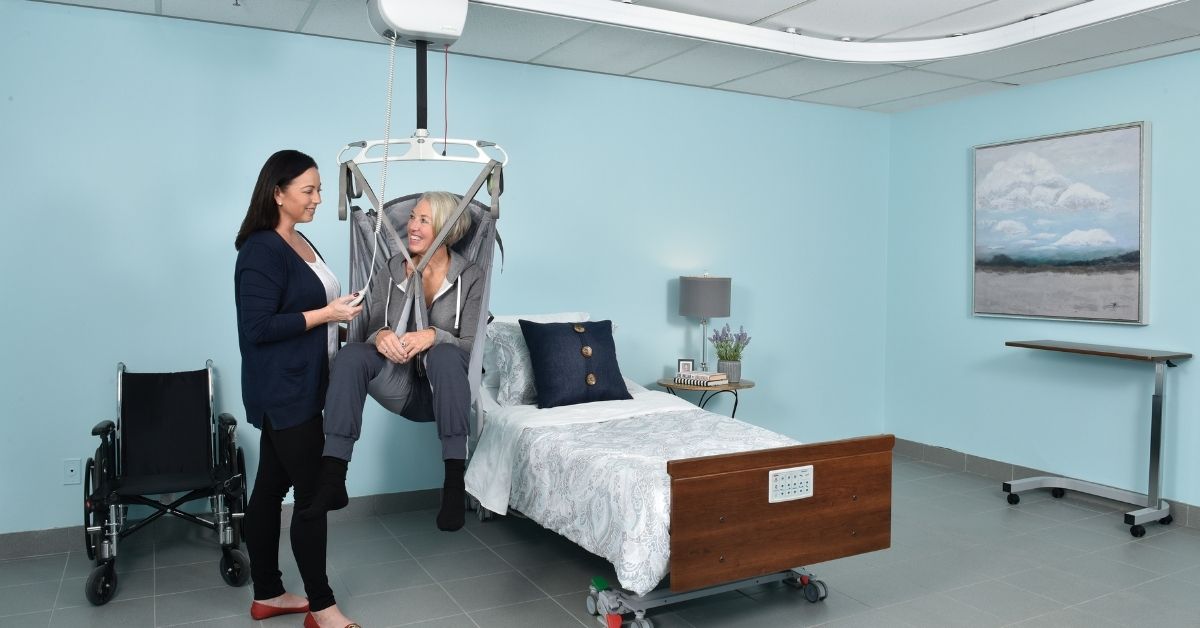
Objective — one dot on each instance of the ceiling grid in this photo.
(500, 29)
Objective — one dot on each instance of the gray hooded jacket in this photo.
(454, 313)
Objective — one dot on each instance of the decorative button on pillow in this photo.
(573, 362)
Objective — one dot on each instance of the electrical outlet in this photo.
(788, 484)
(71, 473)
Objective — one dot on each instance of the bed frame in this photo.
(726, 535)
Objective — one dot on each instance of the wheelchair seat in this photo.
(167, 439)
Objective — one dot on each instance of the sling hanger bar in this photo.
(420, 147)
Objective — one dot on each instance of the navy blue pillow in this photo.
(573, 362)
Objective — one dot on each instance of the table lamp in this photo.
(704, 298)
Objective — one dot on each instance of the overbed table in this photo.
(1154, 509)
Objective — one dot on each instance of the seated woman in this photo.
(420, 374)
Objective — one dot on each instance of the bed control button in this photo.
(591, 379)
(586, 351)
(580, 328)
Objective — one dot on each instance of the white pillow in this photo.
(506, 361)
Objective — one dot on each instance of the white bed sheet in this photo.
(596, 473)
(489, 476)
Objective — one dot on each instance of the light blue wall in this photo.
(950, 379)
(129, 145)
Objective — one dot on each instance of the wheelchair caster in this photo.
(101, 584)
(235, 568)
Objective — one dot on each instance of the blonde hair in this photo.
(442, 206)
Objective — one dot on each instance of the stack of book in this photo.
(702, 378)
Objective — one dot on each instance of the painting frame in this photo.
(684, 365)
(1065, 214)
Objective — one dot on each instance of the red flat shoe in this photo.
(311, 622)
(259, 610)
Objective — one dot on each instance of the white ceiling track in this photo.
(724, 32)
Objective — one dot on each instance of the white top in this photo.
(332, 290)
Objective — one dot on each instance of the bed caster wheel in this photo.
(1166, 520)
(1057, 493)
(1138, 531)
(815, 591)
(235, 568)
(591, 603)
(101, 584)
(1014, 499)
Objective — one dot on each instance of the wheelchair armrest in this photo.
(103, 428)
(226, 419)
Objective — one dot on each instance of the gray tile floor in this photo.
(961, 556)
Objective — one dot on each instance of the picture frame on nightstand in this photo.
(685, 365)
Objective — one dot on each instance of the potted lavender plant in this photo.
(729, 351)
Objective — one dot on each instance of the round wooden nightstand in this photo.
(708, 392)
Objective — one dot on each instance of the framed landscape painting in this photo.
(1061, 226)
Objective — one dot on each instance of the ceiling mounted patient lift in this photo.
(383, 225)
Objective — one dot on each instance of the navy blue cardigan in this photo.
(285, 368)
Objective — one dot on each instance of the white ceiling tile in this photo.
(742, 12)
(346, 19)
(513, 35)
(887, 87)
(136, 6)
(1107, 61)
(913, 102)
(864, 19)
(614, 50)
(712, 64)
(280, 15)
(806, 75)
(1115, 36)
(980, 18)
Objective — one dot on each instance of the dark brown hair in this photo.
(279, 171)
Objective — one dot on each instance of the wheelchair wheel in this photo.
(235, 568)
(89, 514)
(101, 584)
(237, 498)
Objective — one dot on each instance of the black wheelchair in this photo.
(167, 439)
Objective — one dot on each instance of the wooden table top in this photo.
(668, 382)
(1124, 353)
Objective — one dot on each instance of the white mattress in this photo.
(596, 473)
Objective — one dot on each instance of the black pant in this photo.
(287, 458)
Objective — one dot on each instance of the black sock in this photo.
(331, 489)
(453, 513)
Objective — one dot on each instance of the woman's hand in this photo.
(340, 310)
(402, 348)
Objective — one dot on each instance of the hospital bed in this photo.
(658, 486)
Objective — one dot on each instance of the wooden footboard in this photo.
(724, 529)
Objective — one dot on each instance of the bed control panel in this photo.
(788, 484)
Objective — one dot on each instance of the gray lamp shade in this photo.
(704, 297)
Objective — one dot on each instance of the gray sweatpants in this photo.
(443, 396)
